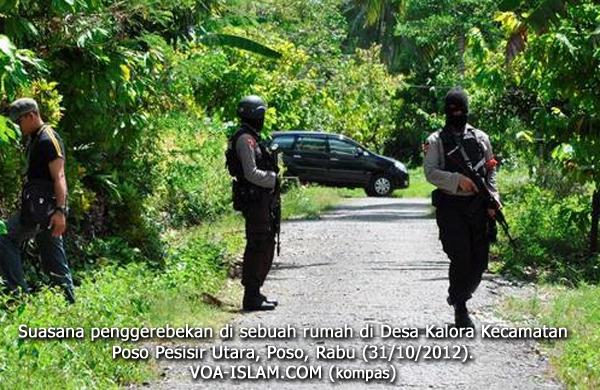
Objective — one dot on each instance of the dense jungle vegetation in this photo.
(144, 93)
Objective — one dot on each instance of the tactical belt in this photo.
(439, 198)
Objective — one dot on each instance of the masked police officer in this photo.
(255, 170)
(43, 210)
(461, 215)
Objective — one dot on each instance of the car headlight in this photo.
(400, 166)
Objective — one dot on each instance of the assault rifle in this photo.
(484, 192)
(276, 203)
(276, 213)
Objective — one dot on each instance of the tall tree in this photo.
(373, 22)
(555, 52)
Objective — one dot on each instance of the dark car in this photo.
(336, 160)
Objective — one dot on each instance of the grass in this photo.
(542, 221)
(418, 188)
(135, 295)
(310, 201)
(577, 359)
(129, 296)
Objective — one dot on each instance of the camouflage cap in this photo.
(20, 107)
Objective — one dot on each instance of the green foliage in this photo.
(13, 75)
(107, 75)
(360, 100)
(125, 292)
(313, 86)
(13, 63)
(551, 227)
(10, 166)
(319, 30)
(114, 296)
(558, 65)
(436, 41)
(193, 183)
(144, 104)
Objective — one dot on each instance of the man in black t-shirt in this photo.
(46, 186)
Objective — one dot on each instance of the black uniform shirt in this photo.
(44, 147)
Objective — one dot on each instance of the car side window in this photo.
(340, 147)
(284, 142)
(310, 144)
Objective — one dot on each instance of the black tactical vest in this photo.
(454, 156)
(265, 160)
(245, 193)
(232, 162)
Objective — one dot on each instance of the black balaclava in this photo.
(255, 124)
(456, 100)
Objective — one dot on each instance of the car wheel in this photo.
(381, 185)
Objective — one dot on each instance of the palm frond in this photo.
(374, 11)
(239, 43)
(545, 14)
(539, 19)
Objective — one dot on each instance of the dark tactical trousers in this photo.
(463, 232)
(260, 242)
(52, 252)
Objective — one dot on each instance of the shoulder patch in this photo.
(491, 164)
(251, 142)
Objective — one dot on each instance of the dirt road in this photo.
(378, 261)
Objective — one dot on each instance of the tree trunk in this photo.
(381, 34)
(462, 47)
(595, 218)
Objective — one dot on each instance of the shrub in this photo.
(552, 229)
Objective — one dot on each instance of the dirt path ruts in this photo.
(379, 261)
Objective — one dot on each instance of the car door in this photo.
(309, 158)
(284, 144)
(346, 162)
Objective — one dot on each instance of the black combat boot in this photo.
(254, 302)
(271, 301)
(461, 316)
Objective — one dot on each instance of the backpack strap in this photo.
(450, 146)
